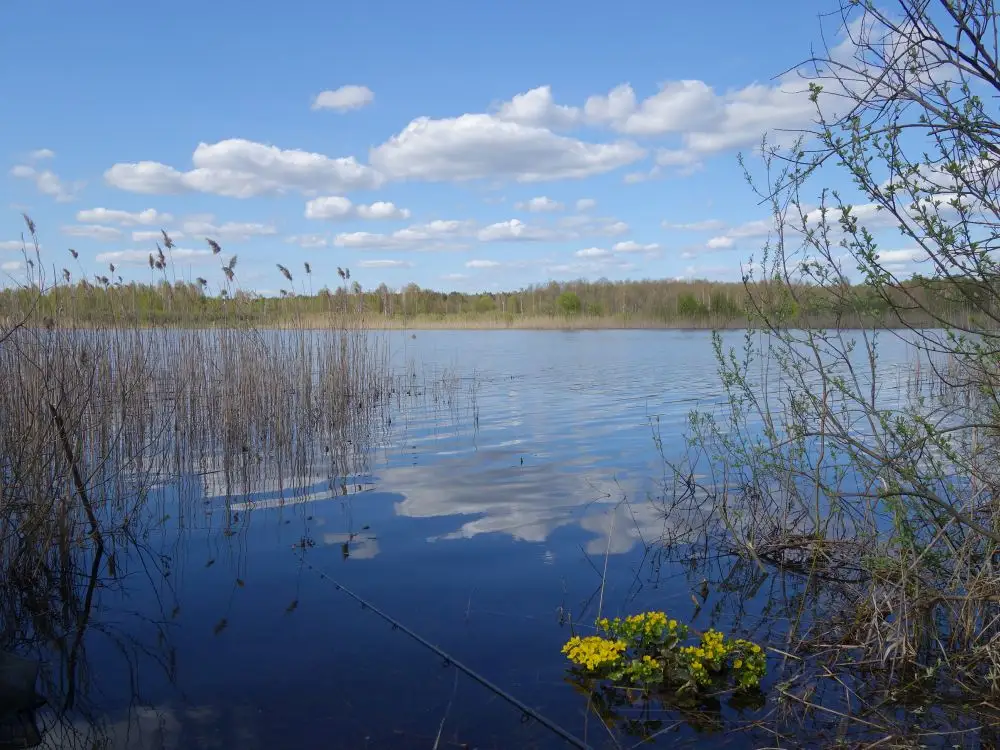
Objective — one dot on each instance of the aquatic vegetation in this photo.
(594, 652)
(644, 627)
(647, 649)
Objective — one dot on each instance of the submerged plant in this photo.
(647, 649)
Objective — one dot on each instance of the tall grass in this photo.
(92, 418)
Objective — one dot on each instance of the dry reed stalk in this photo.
(108, 414)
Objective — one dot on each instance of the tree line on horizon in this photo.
(667, 302)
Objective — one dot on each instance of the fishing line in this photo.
(526, 711)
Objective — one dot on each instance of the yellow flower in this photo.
(593, 652)
(738, 663)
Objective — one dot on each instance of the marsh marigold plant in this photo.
(594, 653)
(649, 648)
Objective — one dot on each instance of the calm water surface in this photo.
(482, 522)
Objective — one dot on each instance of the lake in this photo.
(516, 470)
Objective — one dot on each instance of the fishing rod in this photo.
(525, 709)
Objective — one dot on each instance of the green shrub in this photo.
(569, 303)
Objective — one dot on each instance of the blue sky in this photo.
(457, 145)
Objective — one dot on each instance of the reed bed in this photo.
(94, 419)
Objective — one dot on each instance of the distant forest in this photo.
(651, 304)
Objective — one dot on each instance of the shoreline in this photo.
(314, 323)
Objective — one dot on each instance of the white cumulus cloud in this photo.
(476, 146)
(329, 207)
(147, 177)
(93, 231)
(148, 217)
(344, 99)
(541, 204)
(154, 235)
(583, 225)
(383, 210)
(871, 215)
(482, 264)
(437, 228)
(48, 182)
(755, 228)
(367, 241)
(141, 257)
(749, 229)
(612, 228)
(307, 241)
(205, 226)
(900, 257)
(719, 243)
(616, 107)
(538, 109)
(238, 168)
(630, 246)
(708, 122)
(678, 106)
(385, 264)
(335, 207)
(635, 178)
(440, 234)
(514, 230)
(706, 225)
(585, 204)
(592, 252)
(591, 267)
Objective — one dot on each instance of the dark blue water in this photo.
(519, 467)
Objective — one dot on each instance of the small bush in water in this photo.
(646, 649)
